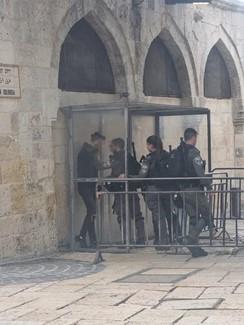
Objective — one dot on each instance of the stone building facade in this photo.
(200, 46)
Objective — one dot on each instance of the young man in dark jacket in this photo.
(87, 167)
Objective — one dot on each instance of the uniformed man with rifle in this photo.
(117, 161)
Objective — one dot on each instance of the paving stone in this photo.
(18, 322)
(169, 271)
(147, 297)
(233, 320)
(102, 313)
(234, 301)
(191, 320)
(156, 316)
(42, 316)
(240, 288)
(185, 293)
(109, 299)
(217, 292)
(141, 278)
(189, 304)
(215, 313)
(234, 277)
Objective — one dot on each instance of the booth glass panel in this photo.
(172, 130)
(141, 128)
(110, 123)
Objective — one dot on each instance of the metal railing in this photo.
(146, 208)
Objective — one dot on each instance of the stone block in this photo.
(43, 168)
(60, 154)
(5, 124)
(14, 171)
(9, 148)
(41, 150)
(5, 200)
(50, 205)
(18, 198)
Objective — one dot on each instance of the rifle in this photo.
(133, 150)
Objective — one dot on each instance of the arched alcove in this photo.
(160, 75)
(84, 62)
(216, 78)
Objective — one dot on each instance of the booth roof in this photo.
(140, 109)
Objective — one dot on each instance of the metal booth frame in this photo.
(129, 110)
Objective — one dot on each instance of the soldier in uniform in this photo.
(87, 167)
(155, 166)
(196, 202)
(117, 160)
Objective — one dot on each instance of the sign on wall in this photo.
(9, 81)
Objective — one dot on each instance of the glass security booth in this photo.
(133, 123)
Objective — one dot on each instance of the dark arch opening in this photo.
(84, 62)
(216, 78)
(160, 76)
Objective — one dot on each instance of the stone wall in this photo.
(34, 214)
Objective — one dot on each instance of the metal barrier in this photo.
(140, 206)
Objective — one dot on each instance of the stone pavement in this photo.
(139, 288)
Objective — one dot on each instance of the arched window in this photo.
(216, 78)
(84, 62)
(160, 76)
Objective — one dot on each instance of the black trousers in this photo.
(119, 208)
(88, 195)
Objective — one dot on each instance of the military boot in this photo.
(92, 234)
(140, 232)
(156, 233)
(194, 233)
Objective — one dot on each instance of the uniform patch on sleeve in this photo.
(198, 161)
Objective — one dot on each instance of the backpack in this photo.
(177, 162)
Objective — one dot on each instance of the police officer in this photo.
(196, 202)
(154, 166)
(87, 167)
(117, 160)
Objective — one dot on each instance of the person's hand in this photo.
(211, 194)
(99, 195)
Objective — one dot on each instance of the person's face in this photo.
(113, 148)
(98, 143)
(150, 148)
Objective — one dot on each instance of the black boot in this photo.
(156, 233)
(92, 234)
(140, 232)
(197, 252)
(194, 232)
(82, 241)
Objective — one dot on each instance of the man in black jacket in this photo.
(117, 161)
(87, 167)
